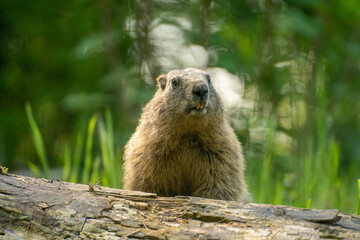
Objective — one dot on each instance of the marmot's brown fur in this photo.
(183, 144)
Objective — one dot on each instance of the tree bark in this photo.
(35, 208)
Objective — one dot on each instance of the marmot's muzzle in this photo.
(200, 90)
(200, 93)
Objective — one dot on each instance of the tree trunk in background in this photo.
(34, 208)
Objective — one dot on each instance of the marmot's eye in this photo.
(174, 81)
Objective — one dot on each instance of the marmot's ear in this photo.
(161, 81)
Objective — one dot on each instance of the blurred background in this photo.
(74, 76)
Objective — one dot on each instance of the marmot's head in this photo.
(189, 95)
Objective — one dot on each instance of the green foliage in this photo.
(105, 167)
(312, 179)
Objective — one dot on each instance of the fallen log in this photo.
(36, 208)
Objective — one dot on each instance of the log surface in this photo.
(35, 208)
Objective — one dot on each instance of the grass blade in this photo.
(88, 150)
(95, 171)
(308, 203)
(105, 154)
(77, 158)
(110, 145)
(38, 141)
(67, 163)
(110, 131)
(358, 205)
(265, 176)
(34, 169)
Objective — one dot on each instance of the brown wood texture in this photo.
(35, 208)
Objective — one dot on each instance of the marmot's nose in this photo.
(200, 90)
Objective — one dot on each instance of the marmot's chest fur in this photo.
(183, 145)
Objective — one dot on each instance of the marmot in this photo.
(183, 145)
